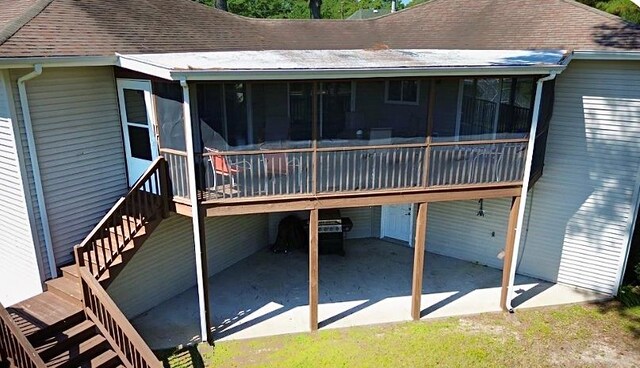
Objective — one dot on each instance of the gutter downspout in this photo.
(525, 186)
(35, 166)
(200, 253)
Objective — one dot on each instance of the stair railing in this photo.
(114, 325)
(147, 199)
(14, 345)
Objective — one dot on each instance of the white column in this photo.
(200, 247)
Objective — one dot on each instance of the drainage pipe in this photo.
(525, 186)
(35, 166)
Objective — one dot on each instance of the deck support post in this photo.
(197, 217)
(313, 270)
(418, 260)
(508, 251)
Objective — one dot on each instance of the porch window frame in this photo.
(402, 101)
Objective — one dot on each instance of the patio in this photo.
(267, 294)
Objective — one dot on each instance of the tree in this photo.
(625, 9)
(314, 8)
(222, 5)
(299, 9)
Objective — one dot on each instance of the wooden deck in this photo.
(43, 311)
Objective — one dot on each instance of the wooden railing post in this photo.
(427, 149)
(164, 188)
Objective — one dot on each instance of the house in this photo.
(150, 148)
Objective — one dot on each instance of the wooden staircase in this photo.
(74, 323)
(55, 325)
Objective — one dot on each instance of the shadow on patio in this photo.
(267, 294)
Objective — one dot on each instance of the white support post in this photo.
(200, 248)
(525, 186)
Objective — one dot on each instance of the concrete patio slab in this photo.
(267, 294)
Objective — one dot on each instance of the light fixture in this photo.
(481, 209)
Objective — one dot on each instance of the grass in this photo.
(601, 335)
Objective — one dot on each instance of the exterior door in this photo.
(397, 222)
(136, 114)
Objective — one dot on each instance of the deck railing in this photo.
(147, 200)
(15, 349)
(226, 175)
(469, 163)
(113, 325)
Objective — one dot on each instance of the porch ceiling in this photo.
(314, 64)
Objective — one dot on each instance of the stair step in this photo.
(66, 288)
(108, 359)
(66, 339)
(70, 271)
(45, 312)
(78, 355)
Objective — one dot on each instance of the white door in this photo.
(136, 114)
(397, 222)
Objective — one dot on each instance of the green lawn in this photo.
(603, 335)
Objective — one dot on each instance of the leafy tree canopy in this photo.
(299, 9)
(625, 9)
(339, 9)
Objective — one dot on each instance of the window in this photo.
(402, 92)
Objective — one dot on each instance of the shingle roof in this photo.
(16, 13)
(103, 27)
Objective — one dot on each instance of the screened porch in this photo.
(285, 139)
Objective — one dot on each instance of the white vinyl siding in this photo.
(582, 207)
(78, 138)
(579, 214)
(165, 264)
(20, 276)
(455, 230)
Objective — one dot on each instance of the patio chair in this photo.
(280, 164)
(490, 156)
(222, 166)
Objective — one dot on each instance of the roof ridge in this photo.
(16, 24)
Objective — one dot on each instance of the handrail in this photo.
(114, 326)
(353, 148)
(147, 197)
(14, 344)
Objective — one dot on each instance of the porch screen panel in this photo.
(495, 108)
(540, 147)
(373, 113)
(210, 120)
(168, 98)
